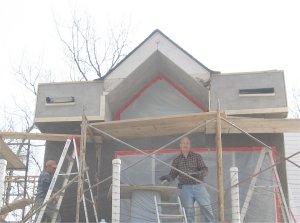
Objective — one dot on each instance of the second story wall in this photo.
(261, 93)
(67, 102)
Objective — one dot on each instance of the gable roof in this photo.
(171, 41)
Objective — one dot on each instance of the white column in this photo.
(235, 197)
(3, 164)
(116, 179)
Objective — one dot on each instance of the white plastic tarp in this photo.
(159, 99)
(262, 207)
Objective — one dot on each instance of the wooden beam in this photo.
(256, 125)
(81, 168)
(219, 166)
(13, 162)
(256, 111)
(44, 136)
(160, 120)
(17, 204)
(170, 125)
(98, 176)
(178, 124)
(66, 119)
(158, 126)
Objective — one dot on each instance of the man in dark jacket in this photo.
(190, 190)
(44, 182)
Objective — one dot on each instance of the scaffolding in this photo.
(19, 195)
(209, 123)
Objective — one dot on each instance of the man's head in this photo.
(185, 145)
(51, 166)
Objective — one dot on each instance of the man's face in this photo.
(51, 166)
(185, 145)
(52, 169)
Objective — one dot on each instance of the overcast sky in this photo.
(226, 36)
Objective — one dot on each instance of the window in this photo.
(60, 100)
(256, 92)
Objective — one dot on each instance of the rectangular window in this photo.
(257, 92)
(60, 100)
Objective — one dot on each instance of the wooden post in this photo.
(81, 167)
(26, 176)
(98, 155)
(220, 165)
(97, 147)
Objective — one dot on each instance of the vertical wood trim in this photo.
(220, 165)
(98, 155)
(81, 168)
(102, 110)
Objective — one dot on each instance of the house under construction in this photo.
(139, 110)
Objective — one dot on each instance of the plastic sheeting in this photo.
(262, 207)
(158, 100)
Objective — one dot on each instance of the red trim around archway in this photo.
(157, 78)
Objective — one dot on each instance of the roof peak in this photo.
(171, 41)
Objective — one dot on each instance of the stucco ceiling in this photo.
(156, 64)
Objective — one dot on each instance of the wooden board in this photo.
(13, 162)
(66, 119)
(127, 190)
(179, 124)
(44, 136)
(170, 125)
(252, 125)
(167, 125)
(18, 204)
(257, 111)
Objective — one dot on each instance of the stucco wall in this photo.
(225, 87)
(86, 95)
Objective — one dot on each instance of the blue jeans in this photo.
(191, 193)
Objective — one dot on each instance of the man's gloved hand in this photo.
(165, 178)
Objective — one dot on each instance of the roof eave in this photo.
(136, 48)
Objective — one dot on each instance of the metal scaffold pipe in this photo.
(116, 179)
(3, 164)
(235, 195)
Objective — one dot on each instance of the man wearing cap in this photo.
(44, 182)
(191, 191)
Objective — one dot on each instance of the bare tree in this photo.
(29, 74)
(92, 55)
(20, 118)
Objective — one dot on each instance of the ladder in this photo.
(162, 217)
(68, 160)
